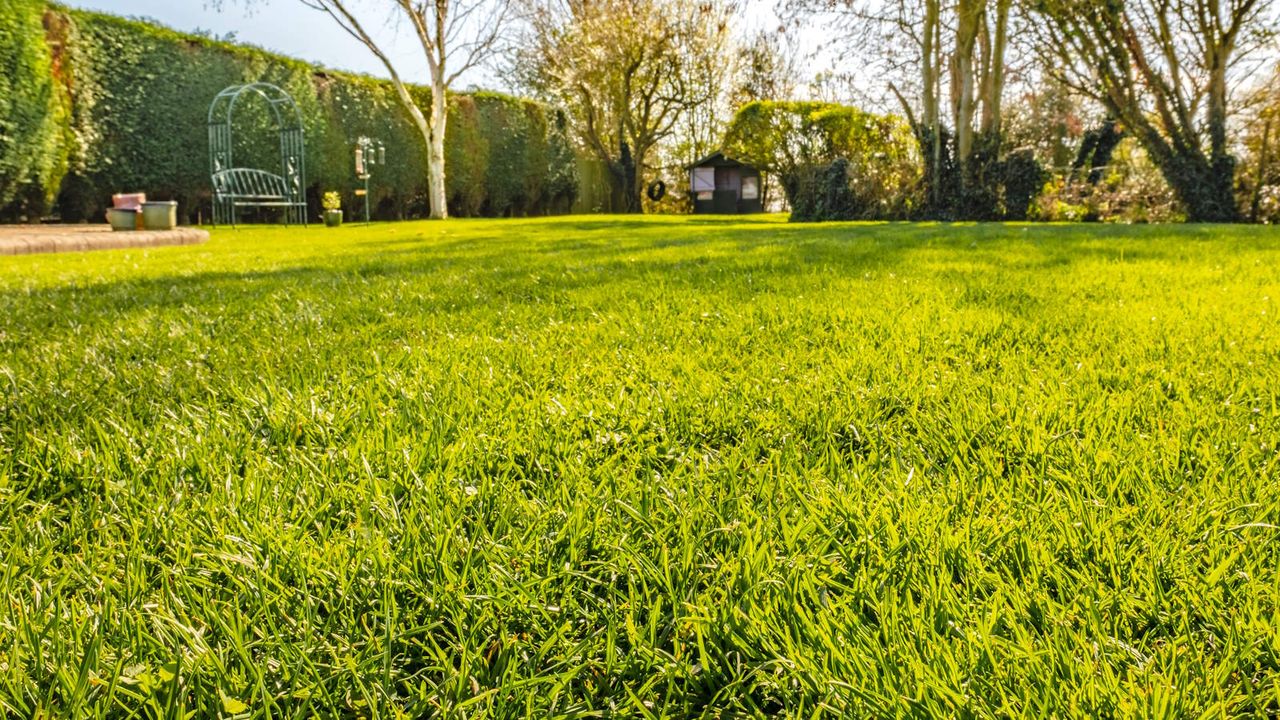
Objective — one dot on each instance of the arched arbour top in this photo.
(287, 121)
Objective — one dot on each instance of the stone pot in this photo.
(332, 218)
(160, 215)
(122, 219)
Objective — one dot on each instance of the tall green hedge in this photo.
(139, 97)
(33, 112)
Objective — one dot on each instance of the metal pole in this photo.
(369, 153)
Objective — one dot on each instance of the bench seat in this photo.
(248, 187)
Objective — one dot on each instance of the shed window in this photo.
(750, 188)
(704, 179)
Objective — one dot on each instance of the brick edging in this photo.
(81, 240)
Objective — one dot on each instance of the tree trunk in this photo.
(928, 66)
(1204, 186)
(966, 38)
(1255, 204)
(930, 116)
(436, 193)
(993, 82)
(627, 173)
(1217, 106)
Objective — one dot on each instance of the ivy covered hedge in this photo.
(34, 138)
(138, 95)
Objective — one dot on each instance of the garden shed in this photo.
(723, 186)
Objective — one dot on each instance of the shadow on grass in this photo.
(540, 258)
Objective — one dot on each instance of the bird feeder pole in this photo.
(369, 152)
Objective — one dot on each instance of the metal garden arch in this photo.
(235, 187)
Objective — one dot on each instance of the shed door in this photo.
(729, 179)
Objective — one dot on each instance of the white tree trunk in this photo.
(929, 67)
(435, 155)
(993, 94)
(967, 26)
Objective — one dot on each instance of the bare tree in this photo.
(768, 69)
(627, 72)
(709, 75)
(1164, 68)
(455, 35)
(946, 63)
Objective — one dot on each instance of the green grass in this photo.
(630, 467)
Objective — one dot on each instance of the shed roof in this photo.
(716, 159)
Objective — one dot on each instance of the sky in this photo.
(290, 28)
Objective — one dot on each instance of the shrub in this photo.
(1022, 178)
(812, 147)
(824, 193)
(1130, 190)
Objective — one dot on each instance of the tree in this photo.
(946, 65)
(1261, 167)
(767, 71)
(709, 75)
(455, 35)
(627, 72)
(1163, 68)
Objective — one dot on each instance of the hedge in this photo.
(139, 96)
(34, 128)
(834, 162)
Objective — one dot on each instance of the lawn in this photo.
(645, 467)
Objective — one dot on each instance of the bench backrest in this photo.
(249, 183)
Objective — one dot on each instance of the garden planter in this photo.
(160, 215)
(122, 219)
(333, 218)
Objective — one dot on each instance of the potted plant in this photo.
(160, 215)
(122, 218)
(125, 212)
(332, 204)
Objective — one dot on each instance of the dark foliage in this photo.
(823, 194)
(989, 187)
(1023, 177)
(1096, 149)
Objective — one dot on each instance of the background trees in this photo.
(627, 73)
(945, 64)
(1163, 68)
(1259, 178)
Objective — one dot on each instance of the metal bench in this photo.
(246, 187)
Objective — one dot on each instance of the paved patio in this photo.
(27, 239)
